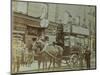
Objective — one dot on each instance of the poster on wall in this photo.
(52, 37)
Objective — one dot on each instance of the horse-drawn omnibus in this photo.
(73, 40)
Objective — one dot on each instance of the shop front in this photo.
(26, 26)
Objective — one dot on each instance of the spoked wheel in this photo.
(74, 61)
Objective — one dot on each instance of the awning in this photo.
(26, 20)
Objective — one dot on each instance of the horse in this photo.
(55, 55)
(50, 53)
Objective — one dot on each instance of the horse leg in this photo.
(50, 63)
(43, 65)
(39, 63)
(59, 62)
(25, 62)
(46, 61)
(29, 61)
(68, 63)
(53, 64)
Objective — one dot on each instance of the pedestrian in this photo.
(81, 57)
(87, 57)
(19, 51)
(34, 41)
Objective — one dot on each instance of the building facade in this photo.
(26, 26)
(77, 20)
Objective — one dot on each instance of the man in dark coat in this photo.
(88, 57)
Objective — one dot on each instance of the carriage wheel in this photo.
(74, 61)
